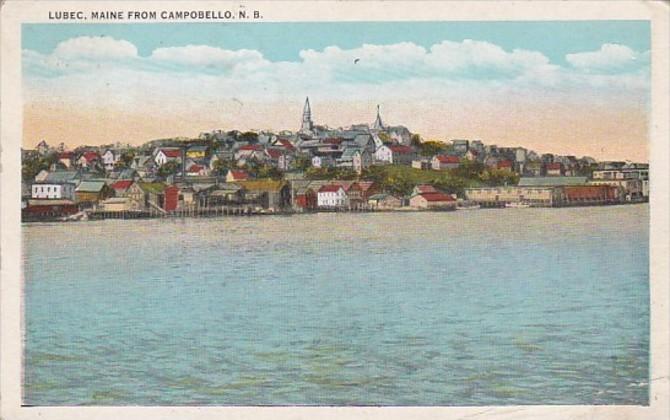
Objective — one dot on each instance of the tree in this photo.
(416, 140)
(432, 148)
(249, 136)
(221, 166)
(169, 168)
(302, 162)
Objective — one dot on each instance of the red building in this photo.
(306, 199)
(591, 194)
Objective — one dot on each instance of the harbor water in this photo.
(485, 307)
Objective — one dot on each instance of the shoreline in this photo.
(249, 212)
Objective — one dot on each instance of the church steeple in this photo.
(378, 124)
(307, 124)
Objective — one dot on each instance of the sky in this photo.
(579, 88)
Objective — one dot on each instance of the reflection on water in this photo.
(523, 306)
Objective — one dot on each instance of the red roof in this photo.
(401, 149)
(65, 155)
(239, 175)
(287, 144)
(171, 153)
(448, 159)
(425, 188)
(333, 140)
(274, 153)
(366, 185)
(90, 156)
(256, 147)
(437, 196)
(505, 164)
(122, 185)
(553, 166)
(195, 168)
(330, 188)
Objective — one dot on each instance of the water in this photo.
(487, 307)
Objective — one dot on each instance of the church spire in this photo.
(307, 124)
(378, 124)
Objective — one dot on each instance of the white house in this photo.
(164, 156)
(395, 154)
(331, 195)
(110, 158)
(53, 191)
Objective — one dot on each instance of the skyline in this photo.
(97, 84)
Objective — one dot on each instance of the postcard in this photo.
(335, 210)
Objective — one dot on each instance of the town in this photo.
(364, 167)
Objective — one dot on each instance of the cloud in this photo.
(111, 70)
(610, 57)
(206, 56)
(95, 48)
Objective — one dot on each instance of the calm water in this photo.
(517, 306)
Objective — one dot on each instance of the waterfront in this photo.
(521, 306)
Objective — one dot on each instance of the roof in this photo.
(91, 186)
(447, 159)
(366, 185)
(377, 197)
(256, 147)
(349, 152)
(437, 196)
(505, 164)
(330, 188)
(238, 174)
(153, 187)
(263, 185)
(286, 143)
(195, 168)
(171, 153)
(198, 148)
(426, 188)
(65, 155)
(122, 185)
(274, 153)
(401, 149)
(555, 165)
(62, 176)
(552, 181)
(90, 156)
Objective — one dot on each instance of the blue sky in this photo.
(283, 41)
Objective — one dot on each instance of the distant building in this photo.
(164, 156)
(53, 191)
(235, 175)
(441, 162)
(554, 169)
(433, 200)
(384, 201)
(332, 196)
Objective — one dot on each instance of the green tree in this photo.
(169, 168)
(432, 148)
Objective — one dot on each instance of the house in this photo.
(42, 148)
(226, 194)
(395, 154)
(554, 169)
(236, 175)
(267, 193)
(533, 169)
(323, 161)
(88, 159)
(423, 164)
(353, 191)
(119, 204)
(121, 187)
(368, 188)
(197, 152)
(441, 162)
(471, 155)
(424, 189)
(355, 158)
(53, 190)
(305, 198)
(332, 196)
(164, 156)
(384, 201)
(535, 195)
(197, 170)
(251, 151)
(110, 158)
(433, 200)
(90, 192)
(460, 146)
(66, 159)
(505, 165)
(156, 195)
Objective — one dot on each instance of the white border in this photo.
(14, 13)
